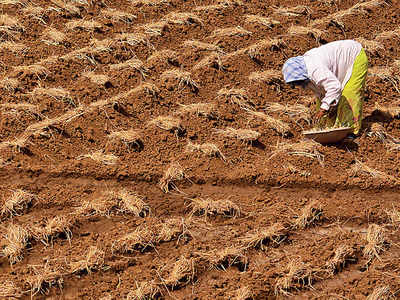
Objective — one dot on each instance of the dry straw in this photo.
(133, 39)
(6, 20)
(142, 238)
(172, 174)
(268, 76)
(93, 260)
(295, 11)
(16, 239)
(265, 21)
(388, 111)
(44, 278)
(167, 55)
(301, 30)
(309, 214)
(376, 240)
(132, 63)
(149, 2)
(35, 12)
(183, 272)
(210, 207)
(8, 290)
(83, 24)
(394, 216)
(244, 293)
(182, 18)
(236, 96)
(19, 144)
(17, 203)
(254, 51)
(273, 234)
(275, 124)
(386, 74)
(12, 2)
(37, 128)
(130, 202)
(99, 79)
(100, 157)
(210, 8)
(357, 9)
(145, 87)
(64, 7)
(360, 168)
(343, 254)
(86, 2)
(49, 60)
(10, 24)
(295, 111)
(98, 46)
(380, 293)
(306, 148)
(221, 5)
(172, 229)
(149, 88)
(144, 290)
(52, 36)
(156, 28)
(297, 272)
(167, 123)
(35, 69)
(13, 46)
(131, 138)
(336, 18)
(118, 16)
(200, 109)
(368, 5)
(57, 93)
(245, 135)
(208, 149)
(378, 131)
(387, 35)
(224, 258)
(203, 46)
(102, 206)
(9, 84)
(123, 201)
(53, 227)
(212, 60)
(293, 170)
(371, 45)
(231, 2)
(183, 78)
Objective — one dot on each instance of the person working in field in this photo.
(336, 73)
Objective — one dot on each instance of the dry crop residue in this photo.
(150, 150)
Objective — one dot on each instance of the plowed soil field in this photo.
(149, 149)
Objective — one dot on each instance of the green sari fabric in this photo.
(348, 112)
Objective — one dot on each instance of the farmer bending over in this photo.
(336, 73)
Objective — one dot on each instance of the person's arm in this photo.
(333, 89)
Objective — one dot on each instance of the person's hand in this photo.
(319, 115)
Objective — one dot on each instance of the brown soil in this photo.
(320, 199)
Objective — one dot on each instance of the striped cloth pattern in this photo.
(294, 69)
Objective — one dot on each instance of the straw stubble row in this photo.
(21, 142)
(17, 237)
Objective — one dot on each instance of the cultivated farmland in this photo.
(149, 149)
